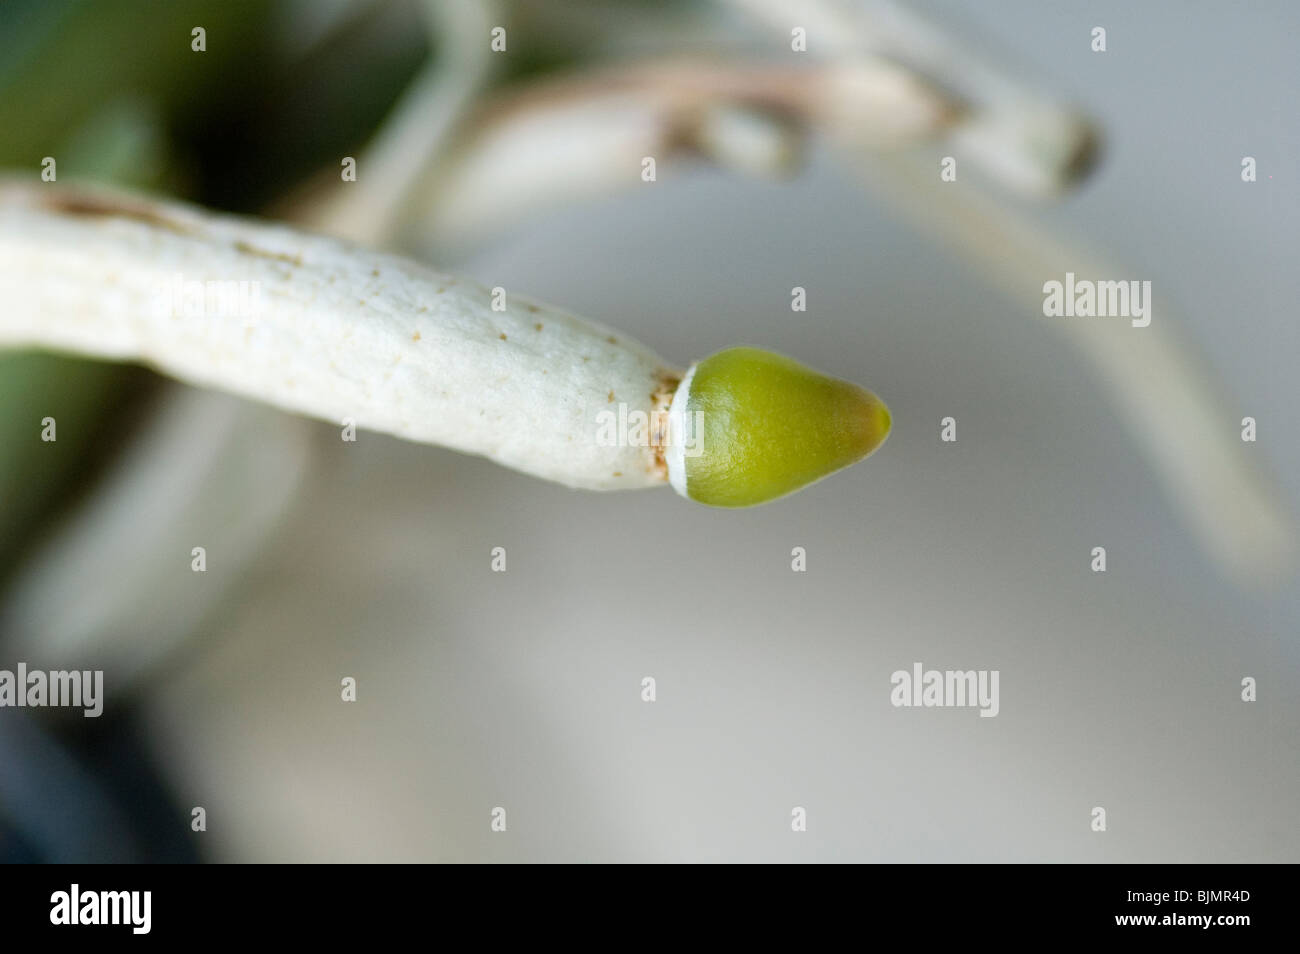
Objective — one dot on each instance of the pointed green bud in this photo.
(747, 426)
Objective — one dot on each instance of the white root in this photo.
(204, 469)
(1026, 141)
(1168, 398)
(587, 134)
(327, 329)
(418, 127)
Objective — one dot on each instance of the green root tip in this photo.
(770, 425)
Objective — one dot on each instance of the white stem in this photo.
(327, 329)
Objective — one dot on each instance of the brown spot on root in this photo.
(503, 336)
(665, 386)
(618, 473)
(415, 337)
(611, 397)
(661, 398)
(537, 327)
(248, 249)
(533, 308)
(88, 205)
(612, 340)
